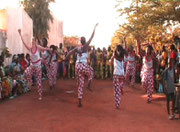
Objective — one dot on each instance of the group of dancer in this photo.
(123, 60)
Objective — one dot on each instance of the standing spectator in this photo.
(61, 60)
(169, 78)
(109, 67)
(173, 54)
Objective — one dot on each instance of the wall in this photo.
(56, 32)
(17, 18)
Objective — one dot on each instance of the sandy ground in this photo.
(58, 111)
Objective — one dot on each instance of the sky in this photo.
(80, 16)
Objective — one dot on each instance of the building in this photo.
(13, 18)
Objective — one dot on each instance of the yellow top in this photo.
(71, 59)
(61, 55)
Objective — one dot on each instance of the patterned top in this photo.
(82, 58)
(118, 67)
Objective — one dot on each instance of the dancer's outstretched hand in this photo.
(96, 25)
(19, 30)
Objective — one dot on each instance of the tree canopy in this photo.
(40, 13)
(148, 19)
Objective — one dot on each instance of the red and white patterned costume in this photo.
(147, 77)
(53, 70)
(118, 80)
(83, 69)
(131, 68)
(45, 61)
(35, 68)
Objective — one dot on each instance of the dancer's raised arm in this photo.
(26, 45)
(43, 48)
(89, 41)
(70, 53)
(139, 51)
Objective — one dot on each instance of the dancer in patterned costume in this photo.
(53, 64)
(130, 63)
(82, 67)
(46, 55)
(147, 72)
(118, 75)
(35, 67)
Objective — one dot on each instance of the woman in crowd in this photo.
(130, 63)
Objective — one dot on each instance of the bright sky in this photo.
(80, 16)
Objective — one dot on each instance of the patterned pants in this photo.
(118, 82)
(30, 71)
(131, 71)
(148, 82)
(83, 70)
(53, 73)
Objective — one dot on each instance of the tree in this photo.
(39, 11)
(148, 19)
(71, 41)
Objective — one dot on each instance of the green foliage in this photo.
(5, 53)
(39, 11)
(147, 19)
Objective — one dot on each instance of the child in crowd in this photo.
(169, 78)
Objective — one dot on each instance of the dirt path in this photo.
(58, 111)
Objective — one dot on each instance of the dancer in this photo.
(46, 55)
(53, 65)
(82, 68)
(119, 74)
(147, 72)
(131, 63)
(35, 67)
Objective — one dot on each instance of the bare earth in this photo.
(58, 111)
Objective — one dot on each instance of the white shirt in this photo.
(147, 64)
(82, 58)
(118, 67)
(36, 58)
(45, 55)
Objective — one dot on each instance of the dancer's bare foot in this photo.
(89, 86)
(51, 87)
(79, 104)
(40, 98)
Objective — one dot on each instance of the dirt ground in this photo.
(58, 111)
